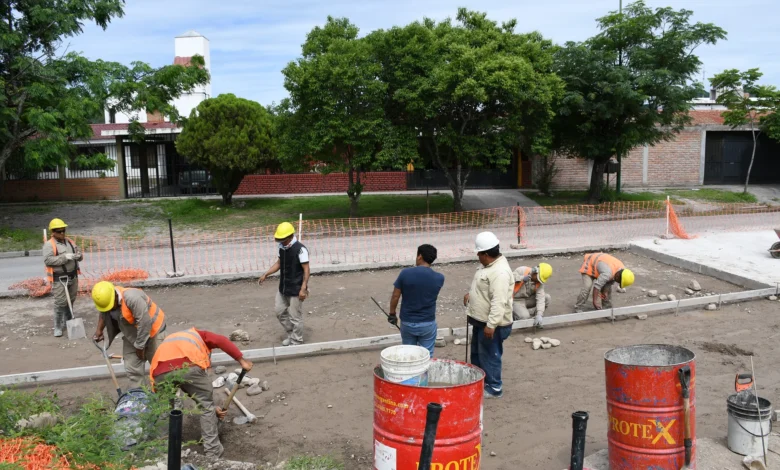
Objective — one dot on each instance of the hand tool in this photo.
(234, 389)
(685, 382)
(109, 365)
(383, 311)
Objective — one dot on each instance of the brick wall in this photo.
(319, 183)
(77, 189)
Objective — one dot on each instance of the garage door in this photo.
(727, 158)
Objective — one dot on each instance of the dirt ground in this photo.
(529, 428)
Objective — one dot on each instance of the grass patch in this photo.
(713, 195)
(20, 239)
(313, 463)
(564, 198)
(246, 213)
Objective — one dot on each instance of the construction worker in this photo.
(293, 261)
(61, 258)
(191, 350)
(599, 272)
(131, 312)
(489, 310)
(530, 299)
(420, 288)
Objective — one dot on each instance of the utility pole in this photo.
(620, 64)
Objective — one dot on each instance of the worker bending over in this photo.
(142, 323)
(530, 299)
(191, 350)
(599, 272)
(61, 258)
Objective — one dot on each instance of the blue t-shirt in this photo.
(420, 288)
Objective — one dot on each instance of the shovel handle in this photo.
(110, 367)
(685, 382)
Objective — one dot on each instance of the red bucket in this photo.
(645, 407)
(400, 411)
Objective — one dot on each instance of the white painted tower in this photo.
(187, 45)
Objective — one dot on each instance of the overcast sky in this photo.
(252, 41)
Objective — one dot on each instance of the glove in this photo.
(392, 319)
(70, 256)
(538, 320)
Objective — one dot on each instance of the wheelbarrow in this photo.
(775, 250)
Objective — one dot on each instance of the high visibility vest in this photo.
(50, 269)
(155, 312)
(589, 265)
(519, 285)
(182, 345)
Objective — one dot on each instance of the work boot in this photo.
(57, 332)
(488, 394)
(59, 321)
(286, 342)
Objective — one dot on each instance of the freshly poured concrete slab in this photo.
(739, 257)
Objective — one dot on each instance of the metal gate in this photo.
(486, 179)
(727, 158)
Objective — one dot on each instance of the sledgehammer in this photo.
(248, 417)
(232, 393)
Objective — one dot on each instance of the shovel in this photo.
(685, 382)
(75, 326)
(109, 365)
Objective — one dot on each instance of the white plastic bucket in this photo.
(748, 425)
(407, 365)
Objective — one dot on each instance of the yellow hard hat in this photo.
(544, 271)
(627, 278)
(104, 296)
(56, 223)
(284, 230)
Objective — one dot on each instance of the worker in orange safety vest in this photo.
(600, 272)
(61, 258)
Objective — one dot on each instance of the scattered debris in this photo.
(642, 317)
(556, 342)
(537, 344)
(492, 454)
(457, 342)
(239, 335)
(671, 297)
(773, 297)
(219, 370)
(330, 406)
(528, 339)
(712, 307)
(218, 382)
(644, 290)
(689, 291)
(265, 386)
(694, 285)
(662, 297)
(652, 293)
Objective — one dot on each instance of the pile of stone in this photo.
(543, 343)
(252, 384)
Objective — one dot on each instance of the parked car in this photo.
(195, 181)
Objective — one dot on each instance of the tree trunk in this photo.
(596, 181)
(752, 157)
(354, 191)
(227, 198)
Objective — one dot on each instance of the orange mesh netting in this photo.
(37, 287)
(674, 224)
(35, 455)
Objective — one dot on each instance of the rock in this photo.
(689, 291)
(440, 343)
(652, 293)
(657, 241)
(528, 339)
(492, 454)
(555, 342)
(671, 297)
(641, 317)
(537, 344)
(545, 339)
(218, 382)
(239, 335)
(662, 297)
(712, 307)
(232, 377)
(546, 346)
(162, 466)
(694, 285)
(254, 390)
(644, 290)
(38, 421)
(773, 297)
(249, 382)
(219, 370)
(457, 342)
(265, 385)
(621, 290)
(330, 406)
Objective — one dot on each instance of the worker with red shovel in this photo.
(191, 350)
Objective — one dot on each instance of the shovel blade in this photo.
(76, 329)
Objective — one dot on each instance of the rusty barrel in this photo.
(645, 407)
(399, 418)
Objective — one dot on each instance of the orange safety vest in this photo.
(155, 313)
(50, 269)
(589, 266)
(519, 285)
(184, 344)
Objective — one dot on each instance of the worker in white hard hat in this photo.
(293, 262)
(489, 310)
(61, 257)
(530, 299)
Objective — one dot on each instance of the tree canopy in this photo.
(229, 136)
(630, 85)
(48, 96)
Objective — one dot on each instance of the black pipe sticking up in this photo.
(579, 425)
(429, 436)
(174, 439)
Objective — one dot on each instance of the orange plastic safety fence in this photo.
(32, 454)
(36, 287)
(674, 224)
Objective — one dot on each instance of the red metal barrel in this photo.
(399, 418)
(645, 407)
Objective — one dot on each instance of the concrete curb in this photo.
(20, 254)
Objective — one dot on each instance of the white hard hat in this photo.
(485, 241)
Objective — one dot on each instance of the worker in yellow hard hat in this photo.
(600, 271)
(61, 257)
(142, 323)
(293, 262)
(530, 299)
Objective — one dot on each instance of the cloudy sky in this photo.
(251, 41)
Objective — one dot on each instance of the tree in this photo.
(334, 114)
(748, 105)
(628, 86)
(471, 92)
(230, 137)
(48, 99)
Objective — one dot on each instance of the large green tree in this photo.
(229, 136)
(630, 85)
(334, 115)
(48, 96)
(748, 105)
(470, 91)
